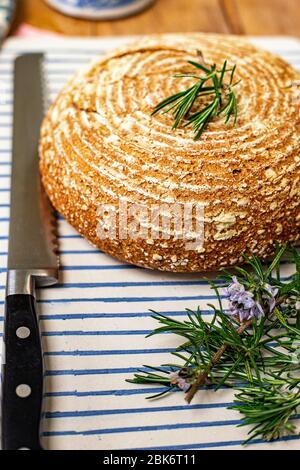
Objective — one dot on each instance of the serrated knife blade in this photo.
(31, 254)
(32, 262)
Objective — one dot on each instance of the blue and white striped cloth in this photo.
(95, 321)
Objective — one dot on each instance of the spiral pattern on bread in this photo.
(101, 145)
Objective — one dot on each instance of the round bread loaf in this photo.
(100, 145)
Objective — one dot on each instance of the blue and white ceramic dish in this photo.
(7, 8)
(99, 9)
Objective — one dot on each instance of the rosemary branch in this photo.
(256, 342)
(222, 103)
(203, 376)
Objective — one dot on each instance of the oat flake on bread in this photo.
(100, 145)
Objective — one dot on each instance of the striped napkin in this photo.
(95, 321)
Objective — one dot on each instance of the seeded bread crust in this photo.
(100, 144)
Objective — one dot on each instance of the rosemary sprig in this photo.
(223, 102)
(256, 342)
(269, 409)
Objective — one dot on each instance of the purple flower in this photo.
(181, 383)
(174, 376)
(269, 295)
(241, 302)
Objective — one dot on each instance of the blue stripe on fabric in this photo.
(208, 445)
(97, 267)
(128, 299)
(78, 372)
(120, 299)
(120, 284)
(96, 333)
(107, 267)
(85, 316)
(124, 392)
(84, 285)
(155, 409)
(82, 316)
(78, 237)
(159, 427)
(104, 393)
(109, 352)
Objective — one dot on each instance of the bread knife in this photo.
(32, 263)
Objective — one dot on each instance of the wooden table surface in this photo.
(254, 17)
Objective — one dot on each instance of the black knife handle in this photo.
(22, 380)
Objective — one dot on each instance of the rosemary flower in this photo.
(269, 295)
(242, 304)
(176, 379)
